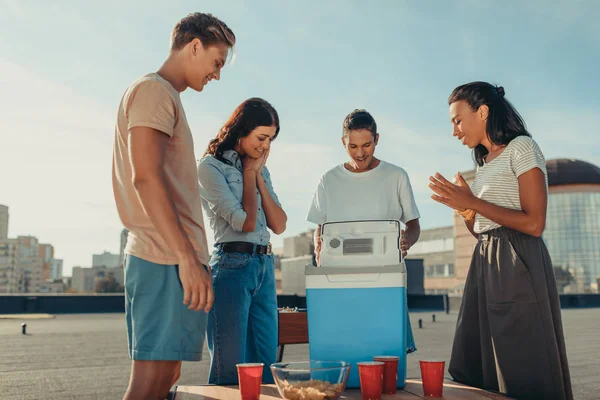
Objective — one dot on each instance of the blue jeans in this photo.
(411, 347)
(242, 324)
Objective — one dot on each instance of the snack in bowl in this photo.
(311, 380)
(311, 390)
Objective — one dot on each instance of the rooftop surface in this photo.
(85, 357)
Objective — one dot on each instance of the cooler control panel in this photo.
(360, 243)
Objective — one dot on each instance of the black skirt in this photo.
(509, 335)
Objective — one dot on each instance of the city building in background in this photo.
(56, 269)
(297, 254)
(299, 245)
(446, 253)
(47, 255)
(53, 286)
(277, 255)
(572, 231)
(8, 255)
(436, 248)
(106, 259)
(87, 280)
(25, 264)
(292, 274)
(3, 222)
(123, 243)
(21, 265)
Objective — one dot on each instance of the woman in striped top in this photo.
(509, 334)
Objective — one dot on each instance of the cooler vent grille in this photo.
(358, 246)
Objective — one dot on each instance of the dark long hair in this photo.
(503, 122)
(248, 116)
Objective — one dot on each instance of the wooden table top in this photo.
(412, 391)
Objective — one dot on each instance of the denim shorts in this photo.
(159, 325)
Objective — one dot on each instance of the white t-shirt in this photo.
(497, 181)
(381, 193)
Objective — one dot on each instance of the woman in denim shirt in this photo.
(238, 198)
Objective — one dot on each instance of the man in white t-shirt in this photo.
(364, 187)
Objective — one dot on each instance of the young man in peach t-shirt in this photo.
(167, 286)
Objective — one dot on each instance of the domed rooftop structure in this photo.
(568, 171)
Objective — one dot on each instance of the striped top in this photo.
(497, 181)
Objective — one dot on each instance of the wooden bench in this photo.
(412, 391)
(293, 329)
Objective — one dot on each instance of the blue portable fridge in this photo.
(358, 312)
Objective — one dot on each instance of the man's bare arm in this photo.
(317, 243)
(410, 236)
(147, 153)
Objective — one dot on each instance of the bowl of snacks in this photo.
(311, 380)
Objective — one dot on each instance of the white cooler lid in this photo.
(355, 277)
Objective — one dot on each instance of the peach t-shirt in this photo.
(151, 101)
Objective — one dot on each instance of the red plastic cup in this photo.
(432, 376)
(250, 380)
(371, 379)
(390, 373)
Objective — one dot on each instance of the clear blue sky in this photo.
(63, 69)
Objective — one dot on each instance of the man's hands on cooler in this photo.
(318, 253)
(404, 244)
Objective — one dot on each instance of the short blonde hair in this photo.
(206, 27)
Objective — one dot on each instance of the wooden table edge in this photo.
(413, 388)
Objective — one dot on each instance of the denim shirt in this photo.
(221, 189)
